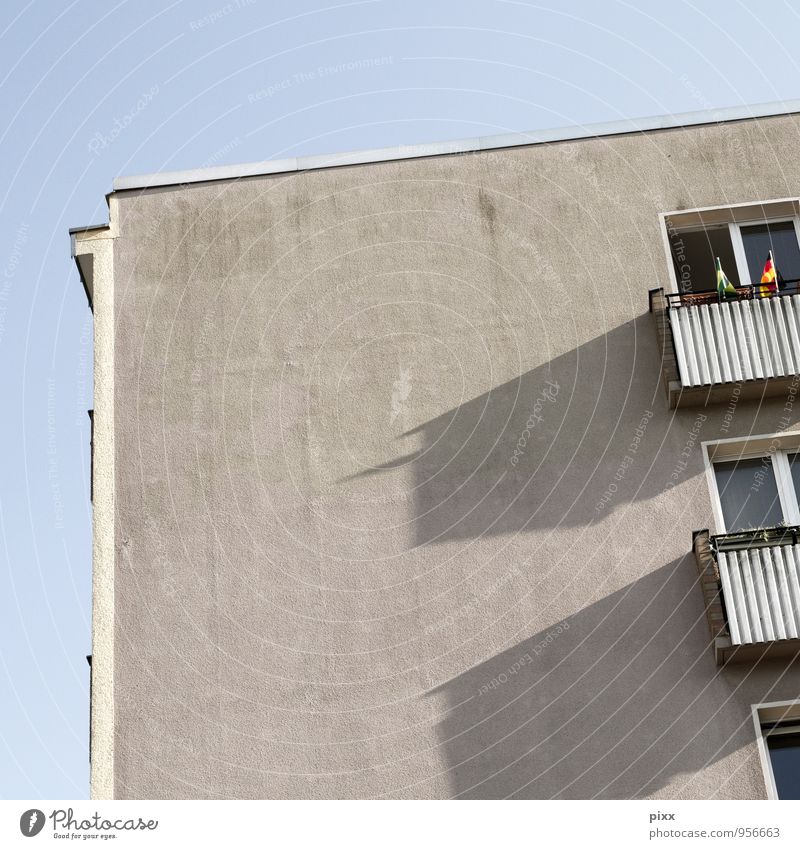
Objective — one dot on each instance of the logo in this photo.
(31, 822)
(401, 389)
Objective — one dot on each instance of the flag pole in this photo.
(775, 270)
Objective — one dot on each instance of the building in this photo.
(433, 472)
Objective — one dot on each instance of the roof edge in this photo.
(87, 228)
(475, 144)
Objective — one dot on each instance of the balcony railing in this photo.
(743, 293)
(751, 584)
(708, 343)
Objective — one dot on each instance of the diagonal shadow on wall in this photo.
(599, 705)
(545, 449)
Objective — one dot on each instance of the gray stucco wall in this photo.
(334, 577)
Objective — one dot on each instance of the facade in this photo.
(444, 472)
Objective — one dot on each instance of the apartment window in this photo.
(754, 481)
(783, 747)
(778, 726)
(780, 237)
(758, 490)
(694, 253)
(741, 237)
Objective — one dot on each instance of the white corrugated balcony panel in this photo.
(737, 340)
(761, 588)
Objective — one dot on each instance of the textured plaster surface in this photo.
(100, 243)
(365, 422)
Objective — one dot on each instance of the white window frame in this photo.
(735, 210)
(777, 446)
(738, 243)
(772, 712)
(783, 479)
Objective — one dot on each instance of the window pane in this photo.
(784, 754)
(694, 255)
(748, 493)
(779, 238)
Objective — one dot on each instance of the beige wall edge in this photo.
(100, 244)
(456, 146)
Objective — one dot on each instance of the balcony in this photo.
(712, 351)
(751, 586)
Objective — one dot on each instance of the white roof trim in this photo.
(361, 157)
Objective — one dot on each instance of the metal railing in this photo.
(735, 339)
(779, 535)
(743, 293)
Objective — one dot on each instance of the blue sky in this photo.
(92, 90)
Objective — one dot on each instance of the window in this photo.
(694, 255)
(780, 237)
(759, 492)
(778, 727)
(756, 482)
(748, 494)
(783, 746)
(740, 236)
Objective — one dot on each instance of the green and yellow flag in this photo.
(724, 286)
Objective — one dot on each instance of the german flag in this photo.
(724, 286)
(769, 278)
